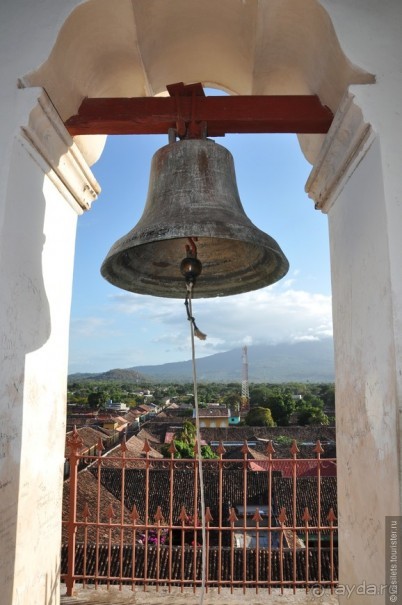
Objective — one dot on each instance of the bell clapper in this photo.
(191, 268)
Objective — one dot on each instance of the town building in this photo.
(213, 416)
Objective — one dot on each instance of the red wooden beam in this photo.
(226, 114)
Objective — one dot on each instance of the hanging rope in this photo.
(190, 317)
(194, 331)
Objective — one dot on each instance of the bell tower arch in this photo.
(51, 61)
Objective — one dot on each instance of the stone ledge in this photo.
(344, 147)
(55, 152)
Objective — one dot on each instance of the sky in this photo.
(111, 328)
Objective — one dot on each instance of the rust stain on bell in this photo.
(193, 193)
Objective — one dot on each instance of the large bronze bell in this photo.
(193, 194)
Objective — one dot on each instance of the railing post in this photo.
(74, 442)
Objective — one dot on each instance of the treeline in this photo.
(301, 404)
(270, 404)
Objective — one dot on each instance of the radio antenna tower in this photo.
(245, 394)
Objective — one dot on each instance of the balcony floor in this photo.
(89, 596)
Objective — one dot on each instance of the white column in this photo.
(48, 185)
(347, 182)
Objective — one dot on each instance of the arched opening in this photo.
(297, 309)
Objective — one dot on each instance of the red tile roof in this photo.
(89, 435)
(214, 413)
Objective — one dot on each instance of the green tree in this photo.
(186, 451)
(97, 399)
(278, 399)
(171, 391)
(185, 444)
(282, 406)
(259, 416)
(326, 392)
(208, 453)
(188, 433)
(183, 449)
(208, 393)
(232, 400)
(259, 396)
(311, 411)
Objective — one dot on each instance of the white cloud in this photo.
(137, 330)
(271, 315)
(87, 327)
(289, 282)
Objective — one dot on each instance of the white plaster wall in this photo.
(366, 414)
(37, 251)
(370, 34)
(23, 48)
(37, 234)
(367, 291)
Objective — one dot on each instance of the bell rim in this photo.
(243, 280)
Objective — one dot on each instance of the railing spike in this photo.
(294, 450)
(318, 448)
(306, 516)
(123, 445)
(110, 513)
(172, 448)
(208, 516)
(257, 516)
(159, 515)
(245, 449)
(135, 514)
(74, 441)
(331, 516)
(146, 448)
(270, 448)
(282, 516)
(100, 447)
(183, 515)
(220, 449)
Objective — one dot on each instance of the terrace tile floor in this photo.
(89, 596)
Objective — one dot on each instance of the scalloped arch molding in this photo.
(242, 46)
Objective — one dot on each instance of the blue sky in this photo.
(112, 328)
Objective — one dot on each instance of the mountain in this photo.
(117, 375)
(310, 361)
